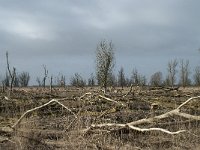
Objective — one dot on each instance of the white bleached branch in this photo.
(132, 125)
(36, 108)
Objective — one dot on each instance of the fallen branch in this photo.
(89, 93)
(133, 128)
(5, 139)
(108, 99)
(132, 125)
(168, 114)
(156, 129)
(188, 116)
(36, 108)
(131, 88)
(6, 130)
(187, 101)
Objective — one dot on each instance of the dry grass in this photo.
(53, 127)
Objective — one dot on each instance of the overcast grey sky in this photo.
(63, 34)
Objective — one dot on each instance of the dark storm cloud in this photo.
(65, 33)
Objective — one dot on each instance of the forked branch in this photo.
(132, 125)
(108, 99)
(36, 108)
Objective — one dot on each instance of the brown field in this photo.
(54, 127)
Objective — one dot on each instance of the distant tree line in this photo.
(178, 73)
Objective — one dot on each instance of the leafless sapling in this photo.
(121, 78)
(138, 79)
(171, 78)
(51, 83)
(104, 63)
(184, 73)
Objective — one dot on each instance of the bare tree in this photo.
(197, 76)
(184, 73)
(45, 75)
(16, 81)
(121, 78)
(156, 79)
(51, 83)
(6, 80)
(77, 80)
(12, 74)
(104, 63)
(60, 80)
(128, 81)
(138, 79)
(112, 80)
(39, 81)
(172, 72)
(91, 80)
(24, 79)
(143, 80)
(135, 77)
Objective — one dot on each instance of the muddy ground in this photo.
(54, 127)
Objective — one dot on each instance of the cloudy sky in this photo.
(63, 34)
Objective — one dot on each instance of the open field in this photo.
(97, 121)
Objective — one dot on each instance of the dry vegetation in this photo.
(85, 118)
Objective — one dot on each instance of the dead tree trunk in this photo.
(3, 87)
(12, 74)
(51, 82)
(45, 76)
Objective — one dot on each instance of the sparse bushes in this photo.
(77, 80)
(138, 79)
(23, 79)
